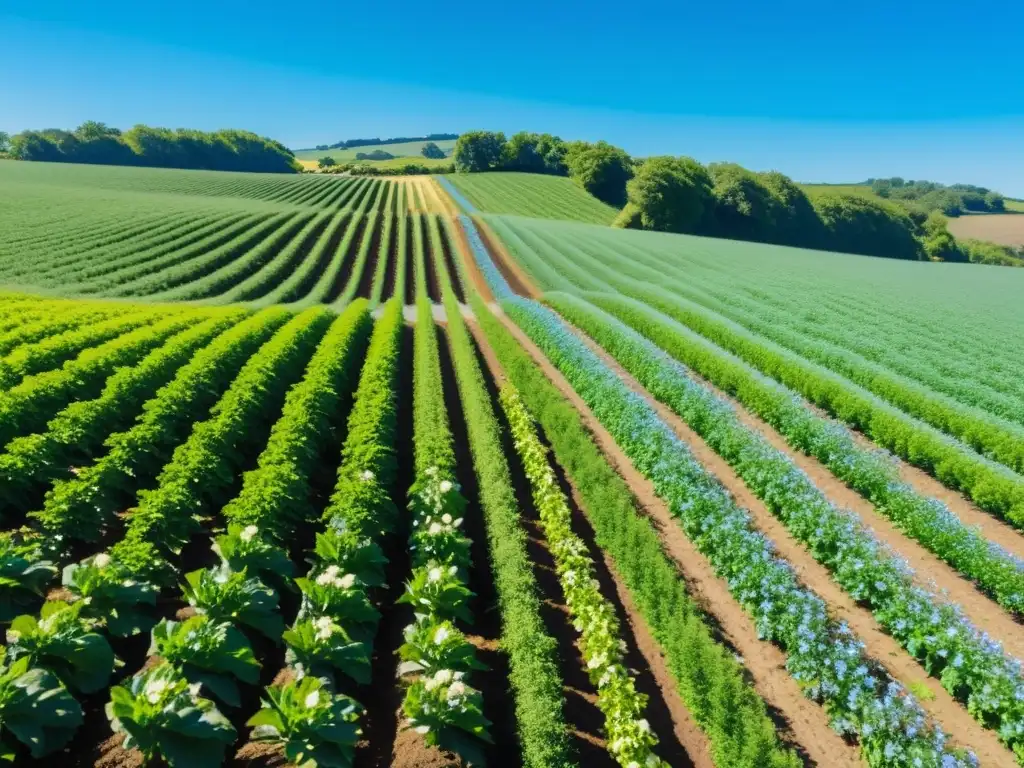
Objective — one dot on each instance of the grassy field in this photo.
(529, 194)
(313, 464)
(1015, 205)
(408, 149)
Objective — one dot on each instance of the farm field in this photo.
(320, 471)
(411, 149)
(531, 194)
(1003, 228)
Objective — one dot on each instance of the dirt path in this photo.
(961, 727)
(806, 722)
(666, 709)
(929, 571)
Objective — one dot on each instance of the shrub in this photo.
(601, 169)
(672, 194)
(858, 224)
(478, 151)
(432, 152)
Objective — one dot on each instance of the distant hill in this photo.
(404, 149)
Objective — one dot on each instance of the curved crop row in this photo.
(971, 666)
(824, 657)
(31, 462)
(78, 508)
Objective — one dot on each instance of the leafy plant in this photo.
(431, 646)
(320, 646)
(64, 643)
(352, 553)
(437, 590)
(209, 652)
(332, 593)
(162, 714)
(110, 595)
(448, 713)
(35, 709)
(234, 597)
(243, 548)
(316, 728)
(24, 573)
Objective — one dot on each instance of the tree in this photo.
(796, 222)
(91, 130)
(744, 208)
(479, 151)
(601, 169)
(860, 224)
(672, 194)
(628, 218)
(938, 243)
(326, 162)
(5, 141)
(535, 153)
(993, 200)
(432, 152)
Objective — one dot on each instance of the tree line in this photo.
(97, 143)
(679, 194)
(929, 196)
(350, 143)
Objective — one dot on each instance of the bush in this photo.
(743, 207)
(628, 218)
(796, 222)
(536, 153)
(479, 151)
(377, 154)
(432, 152)
(858, 224)
(672, 194)
(601, 169)
(326, 162)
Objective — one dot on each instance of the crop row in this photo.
(971, 666)
(824, 656)
(868, 471)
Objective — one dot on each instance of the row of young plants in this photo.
(630, 738)
(987, 434)
(971, 666)
(24, 325)
(128, 275)
(534, 674)
(67, 643)
(55, 350)
(371, 223)
(333, 633)
(871, 472)
(711, 681)
(823, 656)
(395, 192)
(992, 486)
(436, 657)
(32, 462)
(83, 506)
(209, 652)
(27, 406)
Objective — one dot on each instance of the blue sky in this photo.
(821, 91)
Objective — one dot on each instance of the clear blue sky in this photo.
(821, 91)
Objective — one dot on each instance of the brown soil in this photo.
(113, 755)
(803, 722)
(929, 571)
(256, 754)
(509, 267)
(445, 204)
(961, 727)
(412, 752)
(1004, 228)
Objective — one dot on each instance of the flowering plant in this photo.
(433, 645)
(243, 548)
(209, 652)
(437, 590)
(449, 714)
(341, 595)
(233, 596)
(161, 713)
(63, 642)
(316, 728)
(110, 593)
(352, 553)
(319, 646)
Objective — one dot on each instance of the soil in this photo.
(800, 721)
(509, 267)
(959, 725)
(256, 754)
(1003, 228)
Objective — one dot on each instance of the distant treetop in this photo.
(350, 143)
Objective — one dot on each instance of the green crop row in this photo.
(712, 684)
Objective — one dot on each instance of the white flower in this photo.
(434, 529)
(434, 574)
(446, 519)
(443, 676)
(439, 636)
(13, 636)
(194, 689)
(457, 523)
(456, 689)
(312, 699)
(652, 761)
(446, 485)
(248, 532)
(329, 575)
(453, 570)
(347, 581)
(154, 690)
(643, 725)
(367, 475)
(324, 622)
(102, 560)
(422, 729)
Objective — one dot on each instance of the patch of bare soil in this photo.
(961, 727)
(800, 720)
(1003, 228)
